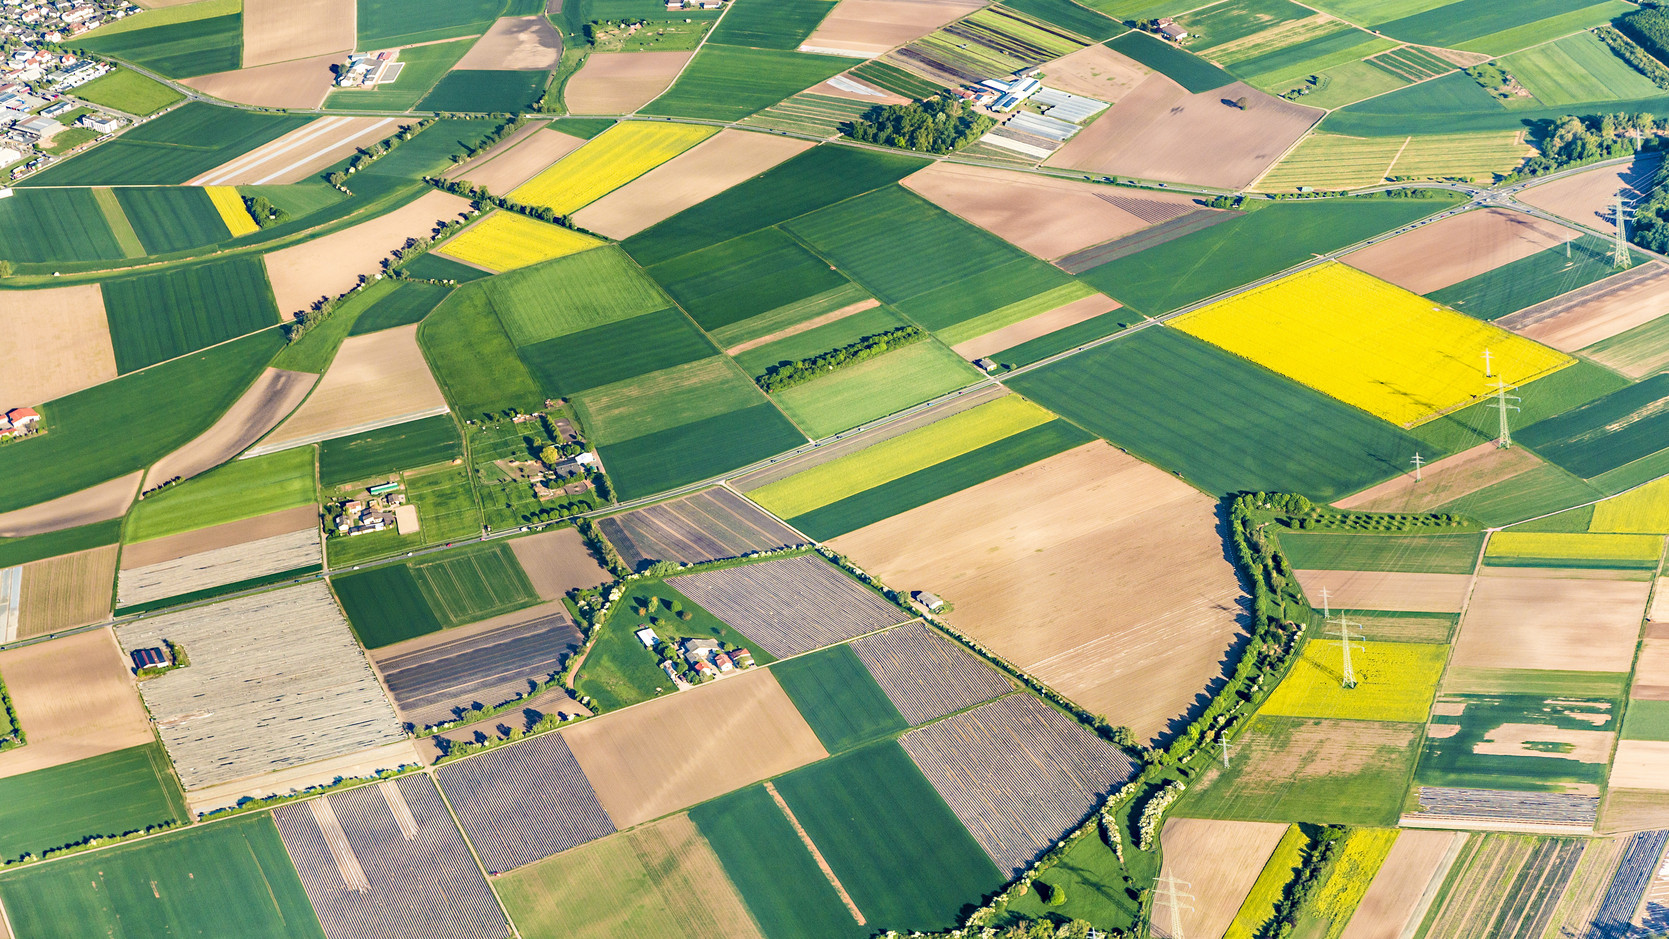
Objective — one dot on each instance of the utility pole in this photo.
(1489, 364)
(1172, 893)
(1504, 403)
(1620, 258)
(1347, 677)
(1225, 743)
(1417, 461)
(1324, 611)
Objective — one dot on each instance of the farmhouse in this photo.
(1169, 29)
(647, 636)
(930, 602)
(19, 421)
(150, 657)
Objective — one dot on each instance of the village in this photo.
(35, 78)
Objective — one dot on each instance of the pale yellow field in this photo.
(230, 206)
(1575, 545)
(611, 160)
(1643, 510)
(1370, 344)
(504, 241)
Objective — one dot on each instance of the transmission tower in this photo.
(1503, 403)
(1489, 363)
(1418, 461)
(1325, 613)
(1173, 895)
(1347, 676)
(1620, 258)
(1224, 741)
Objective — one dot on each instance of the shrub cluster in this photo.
(1651, 214)
(1574, 141)
(17, 737)
(1629, 51)
(936, 125)
(788, 374)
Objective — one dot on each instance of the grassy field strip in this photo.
(816, 855)
(122, 229)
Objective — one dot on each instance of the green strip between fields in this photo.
(122, 229)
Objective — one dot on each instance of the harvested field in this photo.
(273, 554)
(505, 168)
(707, 526)
(1641, 764)
(514, 43)
(1586, 197)
(1440, 807)
(1399, 891)
(247, 704)
(1096, 72)
(672, 752)
(359, 765)
(1046, 216)
(1018, 774)
(74, 698)
(926, 675)
(1551, 622)
(269, 400)
(1222, 860)
(300, 83)
(1445, 481)
(1458, 248)
(1382, 590)
(867, 28)
(1032, 327)
(1020, 551)
(524, 802)
(99, 503)
(1598, 311)
(441, 677)
(332, 265)
(224, 535)
(557, 561)
(58, 343)
(386, 861)
(65, 592)
(729, 157)
(1504, 887)
(300, 153)
(791, 605)
(621, 82)
(1154, 133)
(281, 30)
(376, 380)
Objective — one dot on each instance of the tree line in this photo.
(787, 374)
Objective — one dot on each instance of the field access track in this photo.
(299, 152)
(925, 675)
(707, 526)
(525, 802)
(437, 682)
(790, 606)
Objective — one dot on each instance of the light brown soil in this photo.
(1047, 217)
(1462, 474)
(376, 377)
(835, 91)
(1159, 131)
(302, 84)
(281, 30)
(294, 779)
(1641, 764)
(1586, 746)
(806, 326)
(187, 543)
(1599, 311)
(1651, 671)
(74, 698)
(514, 43)
(1586, 198)
(690, 746)
(1402, 881)
(1042, 324)
(866, 28)
(621, 82)
(66, 591)
(272, 397)
(301, 152)
(328, 266)
(1095, 72)
(706, 169)
(1220, 861)
(99, 503)
(1633, 810)
(557, 561)
(1375, 590)
(1659, 612)
(1551, 622)
(57, 342)
(511, 167)
(1097, 573)
(1435, 256)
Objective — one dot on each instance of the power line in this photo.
(1169, 892)
(1621, 259)
(1503, 404)
(1347, 675)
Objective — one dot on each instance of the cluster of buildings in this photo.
(369, 69)
(36, 21)
(705, 657)
(675, 5)
(1168, 28)
(20, 422)
(384, 506)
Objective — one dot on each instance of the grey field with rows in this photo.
(706, 526)
(790, 605)
(524, 803)
(271, 555)
(440, 682)
(925, 675)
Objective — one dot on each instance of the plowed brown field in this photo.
(1220, 861)
(99, 503)
(1551, 622)
(375, 379)
(281, 30)
(66, 591)
(1376, 590)
(558, 561)
(57, 342)
(1395, 894)
(621, 82)
(75, 699)
(866, 28)
(269, 400)
(328, 266)
(1459, 247)
(300, 83)
(515, 43)
(1459, 475)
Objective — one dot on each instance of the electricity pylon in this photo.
(1503, 403)
(1489, 362)
(1347, 677)
(1620, 257)
(1171, 893)
(1418, 461)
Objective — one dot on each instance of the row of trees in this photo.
(1573, 141)
(940, 124)
(1650, 28)
(1629, 51)
(786, 374)
(1651, 214)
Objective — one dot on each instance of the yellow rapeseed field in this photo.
(1644, 510)
(1395, 681)
(1370, 344)
(505, 241)
(1578, 546)
(611, 160)
(232, 211)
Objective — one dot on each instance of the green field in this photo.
(14, 551)
(875, 388)
(1605, 434)
(1287, 67)
(1567, 388)
(728, 83)
(170, 219)
(618, 351)
(1536, 492)
(127, 90)
(170, 149)
(1159, 393)
(486, 91)
(1542, 766)
(431, 266)
(233, 878)
(846, 330)
(792, 314)
(1577, 68)
(1646, 720)
(156, 317)
(1461, 23)
(1223, 23)
(177, 50)
(1432, 554)
(408, 303)
(894, 79)
(664, 459)
(1036, 350)
(572, 293)
(769, 24)
(1456, 104)
(387, 450)
(238, 490)
(430, 152)
(1354, 81)
(425, 66)
(56, 225)
(879, 824)
(1641, 350)
(1070, 16)
(404, 22)
(663, 399)
(1189, 71)
(472, 583)
(1528, 281)
(473, 359)
(384, 604)
(1329, 161)
(838, 697)
(1547, 682)
(102, 795)
(745, 277)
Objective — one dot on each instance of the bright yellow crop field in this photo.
(1574, 545)
(232, 211)
(1358, 863)
(900, 456)
(1644, 510)
(612, 159)
(504, 241)
(1368, 343)
(1259, 906)
(1395, 681)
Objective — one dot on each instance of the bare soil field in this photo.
(1634, 810)
(1156, 133)
(274, 554)
(301, 152)
(515, 43)
(806, 326)
(328, 266)
(99, 503)
(301, 84)
(705, 526)
(298, 778)
(621, 82)
(672, 752)
(1651, 670)
(434, 679)
(1375, 590)
(1598, 311)
(557, 561)
(926, 675)
(57, 342)
(1462, 474)
(378, 379)
(281, 30)
(1551, 622)
(1586, 198)
(1417, 859)
(1221, 860)
(853, 89)
(1641, 764)
(1046, 216)
(1095, 71)
(706, 169)
(525, 802)
(790, 605)
(516, 159)
(74, 698)
(269, 400)
(66, 591)
(185, 544)
(1098, 573)
(867, 28)
(1042, 324)
(1459, 247)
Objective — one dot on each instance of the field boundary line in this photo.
(469, 843)
(1434, 886)
(1393, 164)
(816, 855)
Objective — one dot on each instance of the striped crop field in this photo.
(1641, 510)
(1357, 864)
(1477, 155)
(1316, 326)
(1395, 681)
(610, 160)
(504, 241)
(1578, 546)
(1331, 161)
(230, 205)
(1411, 63)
